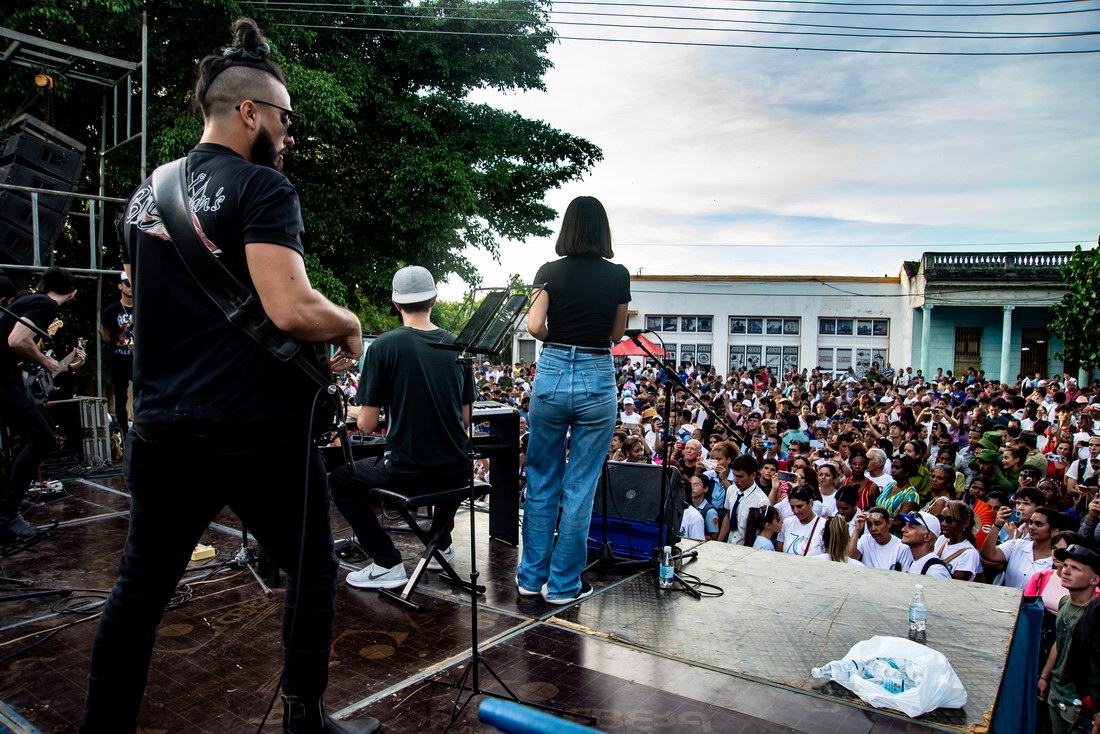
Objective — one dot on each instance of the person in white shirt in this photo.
(956, 544)
(847, 498)
(628, 416)
(836, 542)
(874, 546)
(743, 496)
(1082, 469)
(876, 470)
(691, 524)
(764, 524)
(1022, 558)
(827, 474)
(803, 533)
(920, 533)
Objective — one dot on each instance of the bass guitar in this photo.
(38, 380)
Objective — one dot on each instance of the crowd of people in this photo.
(960, 478)
(956, 477)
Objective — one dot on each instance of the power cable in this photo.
(694, 43)
(306, 3)
(845, 247)
(649, 16)
(720, 30)
(953, 292)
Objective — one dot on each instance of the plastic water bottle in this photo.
(892, 681)
(918, 616)
(836, 670)
(665, 569)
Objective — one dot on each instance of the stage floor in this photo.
(638, 659)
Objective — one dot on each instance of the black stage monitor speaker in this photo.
(35, 155)
(634, 492)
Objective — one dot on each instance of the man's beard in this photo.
(263, 152)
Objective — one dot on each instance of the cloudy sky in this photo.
(756, 161)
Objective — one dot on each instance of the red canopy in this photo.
(627, 348)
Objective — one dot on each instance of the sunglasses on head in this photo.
(1080, 550)
(919, 520)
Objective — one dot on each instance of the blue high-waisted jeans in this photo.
(574, 394)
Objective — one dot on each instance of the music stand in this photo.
(484, 334)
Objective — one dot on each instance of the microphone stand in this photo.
(673, 378)
(490, 324)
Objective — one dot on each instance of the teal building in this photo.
(986, 311)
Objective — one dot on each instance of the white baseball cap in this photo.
(413, 284)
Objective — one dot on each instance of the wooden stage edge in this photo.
(638, 658)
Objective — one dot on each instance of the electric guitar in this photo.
(38, 381)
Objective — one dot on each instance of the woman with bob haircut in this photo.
(578, 309)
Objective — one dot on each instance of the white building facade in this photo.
(779, 322)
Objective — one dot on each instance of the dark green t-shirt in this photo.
(422, 390)
(1063, 690)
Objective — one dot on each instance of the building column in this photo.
(1006, 343)
(925, 338)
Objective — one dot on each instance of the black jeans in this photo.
(350, 495)
(28, 421)
(122, 373)
(178, 482)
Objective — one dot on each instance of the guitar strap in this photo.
(239, 304)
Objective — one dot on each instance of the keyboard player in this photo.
(427, 397)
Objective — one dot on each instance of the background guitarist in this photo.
(20, 414)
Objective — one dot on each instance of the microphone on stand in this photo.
(635, 333)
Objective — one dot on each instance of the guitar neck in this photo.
(64, 363)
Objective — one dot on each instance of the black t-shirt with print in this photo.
(118, 320)
(39, 309)
(190, 364)
(585, 292)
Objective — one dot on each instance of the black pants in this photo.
(350, 495)
(122, 373)
(28, 421)
(179, 482)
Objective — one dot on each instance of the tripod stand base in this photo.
(474, 690)
(10, 547)
(606, 558)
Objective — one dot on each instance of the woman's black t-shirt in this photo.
(585, 292)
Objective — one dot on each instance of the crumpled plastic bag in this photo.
(936, 684)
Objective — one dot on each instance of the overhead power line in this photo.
(897, 52)
(634, 26)
(675, 17)
(304, 3)
(604, 3)
(921, 245)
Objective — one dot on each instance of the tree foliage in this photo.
(394, 164)
(1077, 315)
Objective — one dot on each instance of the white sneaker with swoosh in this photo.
(377, 577)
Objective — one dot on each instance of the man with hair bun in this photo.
(218, 420)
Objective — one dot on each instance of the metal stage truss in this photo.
(124, 122)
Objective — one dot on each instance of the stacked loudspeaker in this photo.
(34, 155)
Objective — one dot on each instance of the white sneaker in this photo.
(377, 577)
(449, 554)
(523, 591)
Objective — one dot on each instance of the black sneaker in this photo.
(17, 528)
(584, 593)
